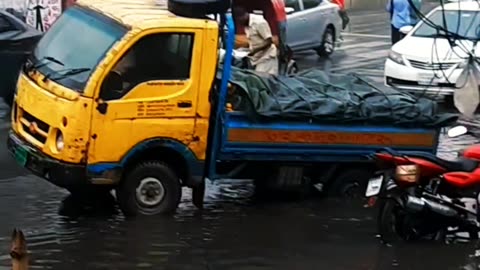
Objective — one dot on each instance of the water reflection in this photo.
(70, 207)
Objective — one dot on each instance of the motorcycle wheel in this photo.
(395, 224)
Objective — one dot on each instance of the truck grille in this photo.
(431, 66)
(34, 126)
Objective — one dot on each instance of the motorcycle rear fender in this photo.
(394, 193)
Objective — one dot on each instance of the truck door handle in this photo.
(184, 104)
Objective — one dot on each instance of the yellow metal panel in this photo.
(44, 106)
(151, 110)
(142, 14)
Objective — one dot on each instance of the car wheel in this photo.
(328, 43)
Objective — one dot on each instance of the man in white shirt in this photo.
(263, 52)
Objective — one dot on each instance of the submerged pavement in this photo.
(234, 231)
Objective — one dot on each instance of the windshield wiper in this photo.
(68, 73)
(41, 63)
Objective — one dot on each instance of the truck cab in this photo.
(113, 85)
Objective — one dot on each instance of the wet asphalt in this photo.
(234, 231)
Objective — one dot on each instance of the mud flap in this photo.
(198, 194)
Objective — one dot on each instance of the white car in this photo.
(424, 61)
(313, 24)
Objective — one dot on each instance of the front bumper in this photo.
(62, 174)
(413, 80)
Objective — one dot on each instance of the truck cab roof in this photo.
(144, 14)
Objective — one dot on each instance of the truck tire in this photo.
(150, 188)
(350, 183)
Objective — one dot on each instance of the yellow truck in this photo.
(123, 95)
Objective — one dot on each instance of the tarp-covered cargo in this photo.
(314, 95)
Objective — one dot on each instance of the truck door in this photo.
(150, 92)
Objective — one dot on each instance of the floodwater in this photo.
(233, 232)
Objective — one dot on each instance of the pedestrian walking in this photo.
(342, 12)
(402, 13)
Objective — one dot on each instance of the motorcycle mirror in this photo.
(457, 131)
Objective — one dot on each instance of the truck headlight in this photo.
(396, 57)
(59, 143)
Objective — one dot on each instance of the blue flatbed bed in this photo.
(243, 139)
(284, 153)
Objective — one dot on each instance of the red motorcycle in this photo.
(421, 195)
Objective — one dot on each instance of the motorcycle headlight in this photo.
(396, 57)
(59, 143)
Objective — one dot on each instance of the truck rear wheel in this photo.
(350, 183)
(150, 188)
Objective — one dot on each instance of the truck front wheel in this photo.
(150, 188)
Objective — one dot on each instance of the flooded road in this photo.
(233, 232)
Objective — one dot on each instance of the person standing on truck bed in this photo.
(274, 13)
(263, 53)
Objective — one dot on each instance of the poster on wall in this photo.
(41, 14)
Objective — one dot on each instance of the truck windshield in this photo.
(71, 49)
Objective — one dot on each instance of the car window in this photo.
(295, 4)
(154, 57)
(311, 3)
(5, 24)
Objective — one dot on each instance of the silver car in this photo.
(313, 24)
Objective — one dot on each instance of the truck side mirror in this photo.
(112, 84)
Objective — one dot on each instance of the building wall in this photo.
(18, 5)
(365, 4)
(40, 14)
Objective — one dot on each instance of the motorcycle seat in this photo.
(462, 179)
(460, 164)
